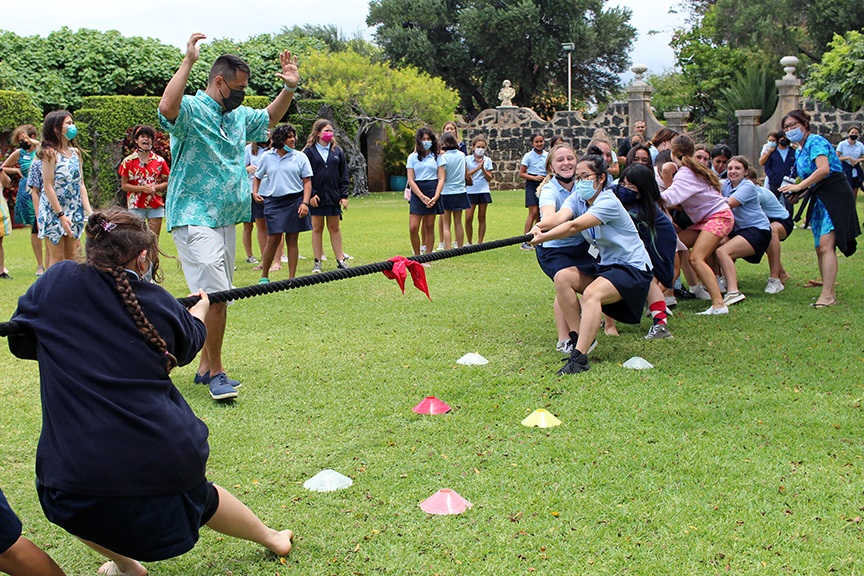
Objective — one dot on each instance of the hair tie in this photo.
(107, 226)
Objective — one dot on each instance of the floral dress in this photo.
(67, 186)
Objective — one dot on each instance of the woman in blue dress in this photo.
(831, 212)
(63, 204)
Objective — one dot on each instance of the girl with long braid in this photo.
(122, 456)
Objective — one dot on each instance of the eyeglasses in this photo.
(791, 125)
(590, 178)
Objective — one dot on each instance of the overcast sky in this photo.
(172, 21)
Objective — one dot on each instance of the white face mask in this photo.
(479, 152)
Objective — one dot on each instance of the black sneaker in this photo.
(684, 294)
(577, 362)
(5, 276)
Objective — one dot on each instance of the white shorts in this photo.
(207, 255)
(148, 213)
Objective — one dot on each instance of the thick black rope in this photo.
(12, 328)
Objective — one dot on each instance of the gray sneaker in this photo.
(316, 269)
(342, 265)
(700, 292)
(525, 246)
(774, 286)
(658, 332)
(733, 298)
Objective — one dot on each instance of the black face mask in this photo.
(853, 136)
(24, 145)
(234, 99)
(784, 142)
(564, 180)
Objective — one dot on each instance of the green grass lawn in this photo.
(740, 452)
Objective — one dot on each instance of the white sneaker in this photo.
(774, 286)
(721, 282)
(346, 256)
(733, 298)
(455, 244)
(700, 292)
(711, 311)
(284, 259)
(440, 247)
(564, 346)
(299, 258)
(323, 258)
(671, 302)
(422, 249)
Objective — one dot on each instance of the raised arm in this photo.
(291, 77)
(169, 106)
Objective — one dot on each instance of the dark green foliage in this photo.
(16, 108)
(754, 89)
(474, 45)
(839, 78)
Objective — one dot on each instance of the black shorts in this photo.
(146, 528)
(10, 525)
(553, 260)
(325, 211)
(757, 238)
(632, 284)
(786, 223)
(480, 198)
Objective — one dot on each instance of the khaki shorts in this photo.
(207, 255)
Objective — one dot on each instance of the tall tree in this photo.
(476, 44)
(839, 78)
(374, 93)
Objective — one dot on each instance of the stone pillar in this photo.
(677, 121)
(639, 102)
(376, 136)
(788, 87)
(748, 141)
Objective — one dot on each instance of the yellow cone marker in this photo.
(541, 418)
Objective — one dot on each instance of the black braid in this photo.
(134, 310)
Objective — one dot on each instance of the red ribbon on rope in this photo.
(401, 267)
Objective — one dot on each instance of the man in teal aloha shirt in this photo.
(208, 191)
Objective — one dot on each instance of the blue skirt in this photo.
(428, 188)
(257, 210)
(632, 285)
(325, 210)
(553, 260)
(454, 202)
(531, 198)
(10, 525)
(480, 198)
(146, 528)
(280, 214)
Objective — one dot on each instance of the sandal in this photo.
(40, 270)
(821, 304)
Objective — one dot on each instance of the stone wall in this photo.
(831, 123)
(508, 132)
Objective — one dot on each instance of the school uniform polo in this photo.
(284, 173)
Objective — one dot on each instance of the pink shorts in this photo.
(719, 224)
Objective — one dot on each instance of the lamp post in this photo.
(569, 47)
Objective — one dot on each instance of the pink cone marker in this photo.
(431, 405)
(444, 502)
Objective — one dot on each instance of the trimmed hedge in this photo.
(103, 121)
(17, 108)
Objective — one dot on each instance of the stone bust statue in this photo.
(506, 94)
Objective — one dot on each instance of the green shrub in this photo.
(17, 108)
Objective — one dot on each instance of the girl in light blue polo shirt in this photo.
(454, 197)
(285, 196)
(480, 169)
(624, 274)
(751, 233)
(425, 167)
(532, 169)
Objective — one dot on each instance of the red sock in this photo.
(658, 312)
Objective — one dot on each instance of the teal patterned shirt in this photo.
(208, 184)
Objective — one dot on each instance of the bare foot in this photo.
(784, 277)
(112, 569)
(281, 543)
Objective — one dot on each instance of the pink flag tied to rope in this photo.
(401, 267)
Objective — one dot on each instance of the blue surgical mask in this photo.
(626, 195)
(585, 189)
(772, 144)
(427, 144)
(286, 148)
(148, 275)
(795, 135)
(71, 132)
